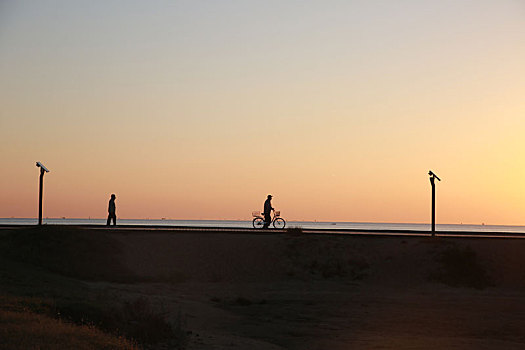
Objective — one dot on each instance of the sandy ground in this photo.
(299, 291)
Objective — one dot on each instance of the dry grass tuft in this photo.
(25, 324)
(459, 267)
(135, 319)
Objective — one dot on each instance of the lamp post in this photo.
(43, 170)
(433, 177)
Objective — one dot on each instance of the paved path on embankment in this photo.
(360, 232)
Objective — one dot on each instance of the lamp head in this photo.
(430, 173)
(40, 165)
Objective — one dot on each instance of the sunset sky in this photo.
(199, 109)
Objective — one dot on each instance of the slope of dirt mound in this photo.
(388, 261)
(70, 251)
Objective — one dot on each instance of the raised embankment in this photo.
(177, 256)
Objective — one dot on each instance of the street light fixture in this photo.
(433, 177)
(43, 170)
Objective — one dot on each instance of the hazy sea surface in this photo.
(248, 224)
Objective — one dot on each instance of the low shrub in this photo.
(135, 319)
(459, 267)
(29, 323)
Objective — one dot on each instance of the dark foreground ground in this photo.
(66, 287)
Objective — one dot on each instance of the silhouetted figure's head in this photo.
(113, 196)
(269, 196)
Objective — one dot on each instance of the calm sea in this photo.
(248, 224)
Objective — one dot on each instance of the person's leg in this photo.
(267, 220)
(114, 218)
(108, 222)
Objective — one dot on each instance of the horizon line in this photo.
(249, 220)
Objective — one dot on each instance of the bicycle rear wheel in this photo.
(258, 223)
(279, 223)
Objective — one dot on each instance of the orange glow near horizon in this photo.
(339, 112)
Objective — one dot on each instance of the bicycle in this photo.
(277, 221)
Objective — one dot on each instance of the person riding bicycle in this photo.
(267, 211)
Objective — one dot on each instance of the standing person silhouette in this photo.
(112, 211)
(267, 211)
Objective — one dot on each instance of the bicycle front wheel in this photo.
(258, 223)
(279, 223)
